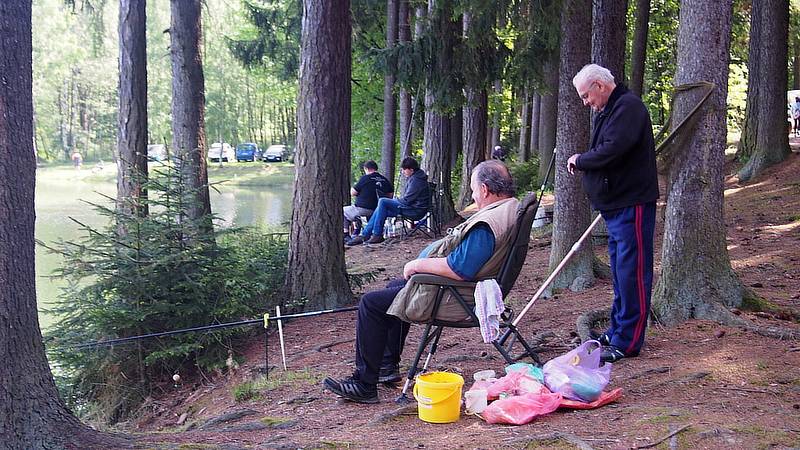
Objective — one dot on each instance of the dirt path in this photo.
(719, 387)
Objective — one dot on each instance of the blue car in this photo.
(248, 151)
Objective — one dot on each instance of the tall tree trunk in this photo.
(32, 415)
(608, 36)
(132, 118)
(475, 118)
(571, 211)
(525, 126)
(536, 101)
(771, 140)
(639, 47)
(404, 35)
(188, 106)
(496, 114)
(456, 137)
(548, 114)
(316, 269)
(696, 277)
(796, 63)
(747, 140)
(388, 150)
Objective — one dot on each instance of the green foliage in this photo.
(155, 276)
(526, 175)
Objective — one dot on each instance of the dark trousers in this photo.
(379, 336)
(630, 248)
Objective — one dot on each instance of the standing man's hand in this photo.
(571, 163)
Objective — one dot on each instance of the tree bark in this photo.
(771, 140)
(548, 114)
(747, 140)
(188, 107)
(404, 35)
(475, 121)
(525, 126)
(496, 115)
(639, 47)
(571, 211)
(316, 269)
(132, 118)
(609, 35)
(436, 160)
(32, 416)
(796, 63)
(536, 101)
(388, 150)
(696, 277)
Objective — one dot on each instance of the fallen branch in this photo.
(663, 369)
(664, 438)
(757, 391)
(555, 436)
(587, 321)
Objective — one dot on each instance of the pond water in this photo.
(62, 193)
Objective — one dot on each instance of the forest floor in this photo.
(717, 386)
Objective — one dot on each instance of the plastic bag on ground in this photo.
(605, 398)
(578, 374)
(530, 369)
(521, 409)
(515, 383)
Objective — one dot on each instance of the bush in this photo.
(526, 175)
(161, 273)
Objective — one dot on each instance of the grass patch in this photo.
(250, 390)
(665, 415)
(767, 437)
(252, 174)
(336, 444)
(197, 447)
(274, 421)
(555, 444)
(245, 391)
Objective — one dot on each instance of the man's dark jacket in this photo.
(417, 194)
(619, 169)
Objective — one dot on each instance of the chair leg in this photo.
(505, 343)
(427, 337)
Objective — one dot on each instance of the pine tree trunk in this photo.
(639, 47)
(188, 106)
(316, 269)
(796, 63)
(608, 36)
(32, 416)
(548, 114)
(132, 118)
(536, 101)
(747, 140)
(525, 126)
(475, 119)
(772, 142)
(388, 149)
(696, 277)
(571, 211)
(496, 116)
(404, 35)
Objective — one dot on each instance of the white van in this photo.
(221, 150)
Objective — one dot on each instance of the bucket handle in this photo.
(416, 385)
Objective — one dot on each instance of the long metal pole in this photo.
(558, 268)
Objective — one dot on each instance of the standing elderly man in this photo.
(619, 175)
(473, 250)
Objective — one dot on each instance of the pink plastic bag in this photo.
(578, 374)
(515, 383)
(521, 409)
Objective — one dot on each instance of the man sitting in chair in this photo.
(473, 250)
(414, 202)
(370, 187)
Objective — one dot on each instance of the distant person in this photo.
(77, 159)
(499, 153)
(370, 187)
(414, 202)
(796, 115)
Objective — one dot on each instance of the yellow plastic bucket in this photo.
(438, 396)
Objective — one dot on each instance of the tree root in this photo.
(551, 438)
(587, 321)
(724, 316)
(405, 410)
(653, 444)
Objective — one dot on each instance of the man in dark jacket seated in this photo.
(414, 202)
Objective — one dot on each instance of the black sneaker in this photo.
(376, 239)
(358, 240)
(352, 390)
(603, 338)
(389, 374)
(611, 354)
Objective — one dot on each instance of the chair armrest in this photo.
(436, 280)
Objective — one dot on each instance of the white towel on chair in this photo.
(488, 307)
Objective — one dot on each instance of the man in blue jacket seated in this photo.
(414, 202)
(619, 176)
(473, 250)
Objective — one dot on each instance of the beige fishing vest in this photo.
(414, 303)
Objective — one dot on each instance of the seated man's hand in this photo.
(409, 269)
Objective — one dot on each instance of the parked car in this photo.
(156, 152)
(248, 151)
(221, 150)
(276, 152)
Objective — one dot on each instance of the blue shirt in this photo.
(471, 254)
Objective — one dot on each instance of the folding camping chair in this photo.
(506, 279)
(425, 223)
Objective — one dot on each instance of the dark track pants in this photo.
(379, 336)
(630, 248)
